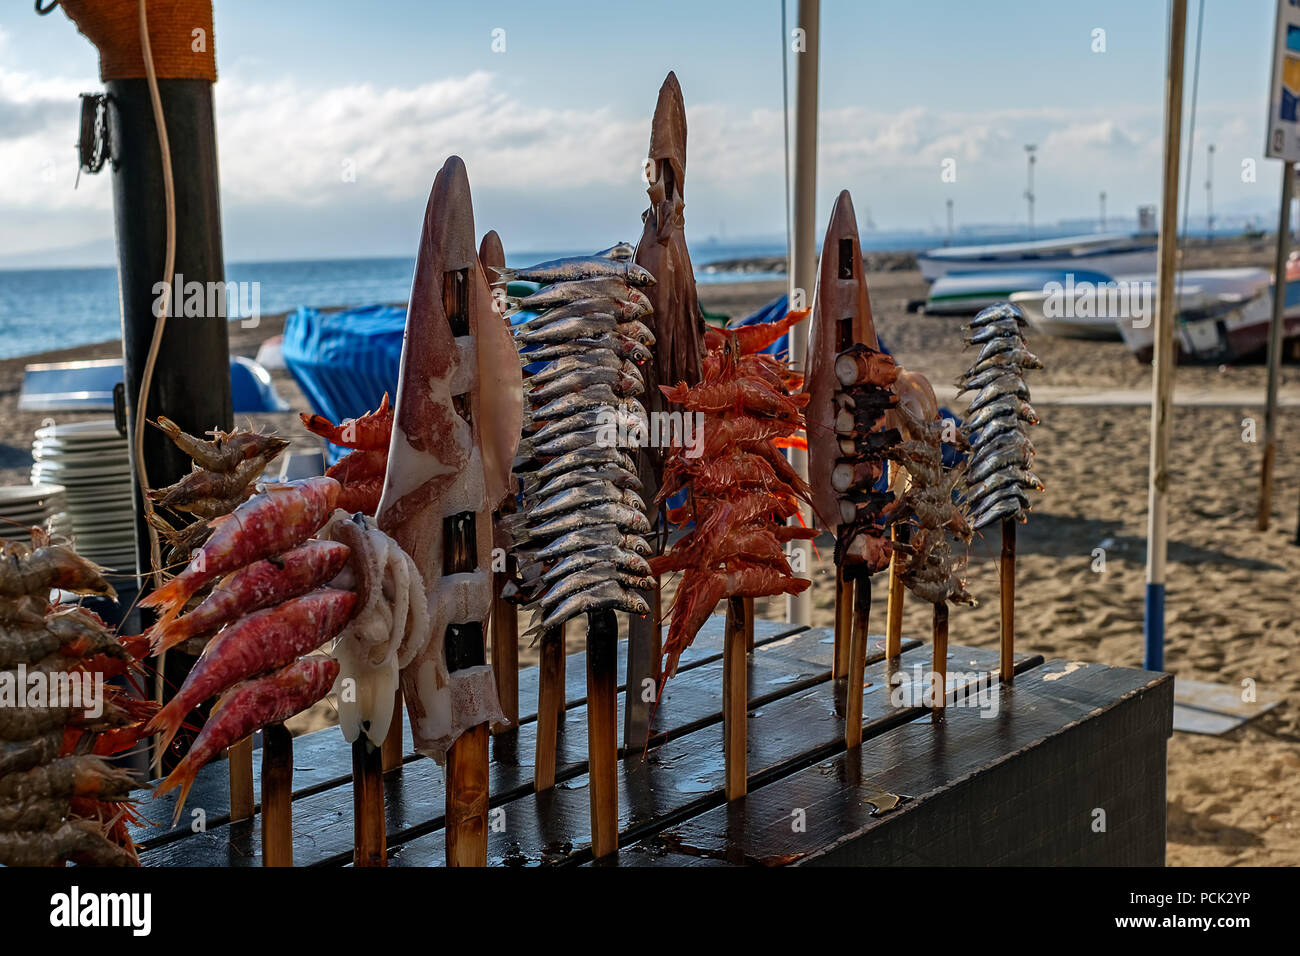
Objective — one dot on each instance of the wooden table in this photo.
(1021, 786)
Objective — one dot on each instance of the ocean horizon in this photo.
(52, 308)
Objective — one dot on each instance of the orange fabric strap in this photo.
(180, 37)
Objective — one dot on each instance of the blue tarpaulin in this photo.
(345, 361)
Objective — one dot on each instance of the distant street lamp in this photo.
(950, 221)
(1103, 210)
(1029, 188)
(1209, 193)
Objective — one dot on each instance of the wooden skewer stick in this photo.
(843, 623)
(857, 661)
(467, 798)
(550, 687)
(901, 534)
(277, 796)
(749, 625)
(370, 841)
(391, 752)
(602, 730)
(735, 699)
(939, 657)
(1007, 573)
(240, 756)
(505, 645)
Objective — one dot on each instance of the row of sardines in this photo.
(579, 532)
(999, 474)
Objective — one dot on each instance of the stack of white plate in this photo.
(39, 505)
(93, 464)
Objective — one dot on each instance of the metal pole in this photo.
(1164, 355)
(949, 222)
(1103, 211)
(1275, 348)
(803, 260)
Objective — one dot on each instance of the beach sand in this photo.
(1232, 590)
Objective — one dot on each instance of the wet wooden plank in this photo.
(1022, 787)
(322, 759)
(687, 775)
(414, 797)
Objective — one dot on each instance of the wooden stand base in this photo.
(467, 798)
(897, 594)
(505, 647)
(391, 753)
(857, 661)
(370, 847)
(602, 730)
(939, 658)
(735, 699)
(550, 703)
(1007, 574)
(843, 623)
(239, 755)
(277, 796)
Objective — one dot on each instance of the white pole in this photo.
(803, 259)
(1275, 349)
(1164, 355)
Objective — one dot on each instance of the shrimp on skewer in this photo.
(226, 451)
(370, 432)
(255, 703)
(281, 518)
(254, 587)
(263, 641)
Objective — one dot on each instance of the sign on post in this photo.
(1284, 98)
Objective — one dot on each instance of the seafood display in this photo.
(60, 799)
(675, 316)
(999, 475)
(226, 468)
(742, 488)
(850, 385)
(360, 474)
(924, 496)
(268, 610)
(456, 425)
(579, 530)
(389, 625)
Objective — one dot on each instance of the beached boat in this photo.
(1219, 318)
(1111, 253)
(965, 293)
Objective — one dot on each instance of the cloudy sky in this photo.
(553, 129)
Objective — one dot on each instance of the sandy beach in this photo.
(1231, 603)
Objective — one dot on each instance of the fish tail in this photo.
(182, 776)
(504, 275)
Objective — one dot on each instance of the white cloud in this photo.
(284, 146)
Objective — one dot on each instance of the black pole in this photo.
(191, 378)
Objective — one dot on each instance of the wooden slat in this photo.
(962, 783)
(414, 796)
(321, 760)
(686, 776)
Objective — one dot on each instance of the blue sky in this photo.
(553, 129)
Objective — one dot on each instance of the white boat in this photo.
(1223, 315)
(1110, 253)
